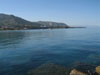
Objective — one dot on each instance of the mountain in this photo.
(11, 22)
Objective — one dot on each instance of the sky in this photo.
(71, 12)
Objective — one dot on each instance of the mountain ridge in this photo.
(8, 22)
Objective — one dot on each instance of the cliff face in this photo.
(13, 22)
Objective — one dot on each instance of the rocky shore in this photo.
(53, 69)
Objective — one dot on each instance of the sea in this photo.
(23, 50)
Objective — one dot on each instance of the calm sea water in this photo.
(23, 50)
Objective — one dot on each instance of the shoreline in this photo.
(41, 28)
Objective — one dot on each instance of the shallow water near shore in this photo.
(22, 50)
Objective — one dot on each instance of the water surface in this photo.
(23, 50)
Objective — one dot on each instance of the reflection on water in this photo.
(25, 49)
(10, 37)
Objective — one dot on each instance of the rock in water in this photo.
(76, 72)
(85, 68)
(49, 69)
(98, 70)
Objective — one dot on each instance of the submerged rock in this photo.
(53, 69)
(98, 70)
(85, 68)
(76, 72)
(49, 69)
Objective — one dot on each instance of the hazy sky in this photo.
(72, 12)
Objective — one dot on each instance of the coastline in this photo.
(40, 28)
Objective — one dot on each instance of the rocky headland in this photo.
(11, 22)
